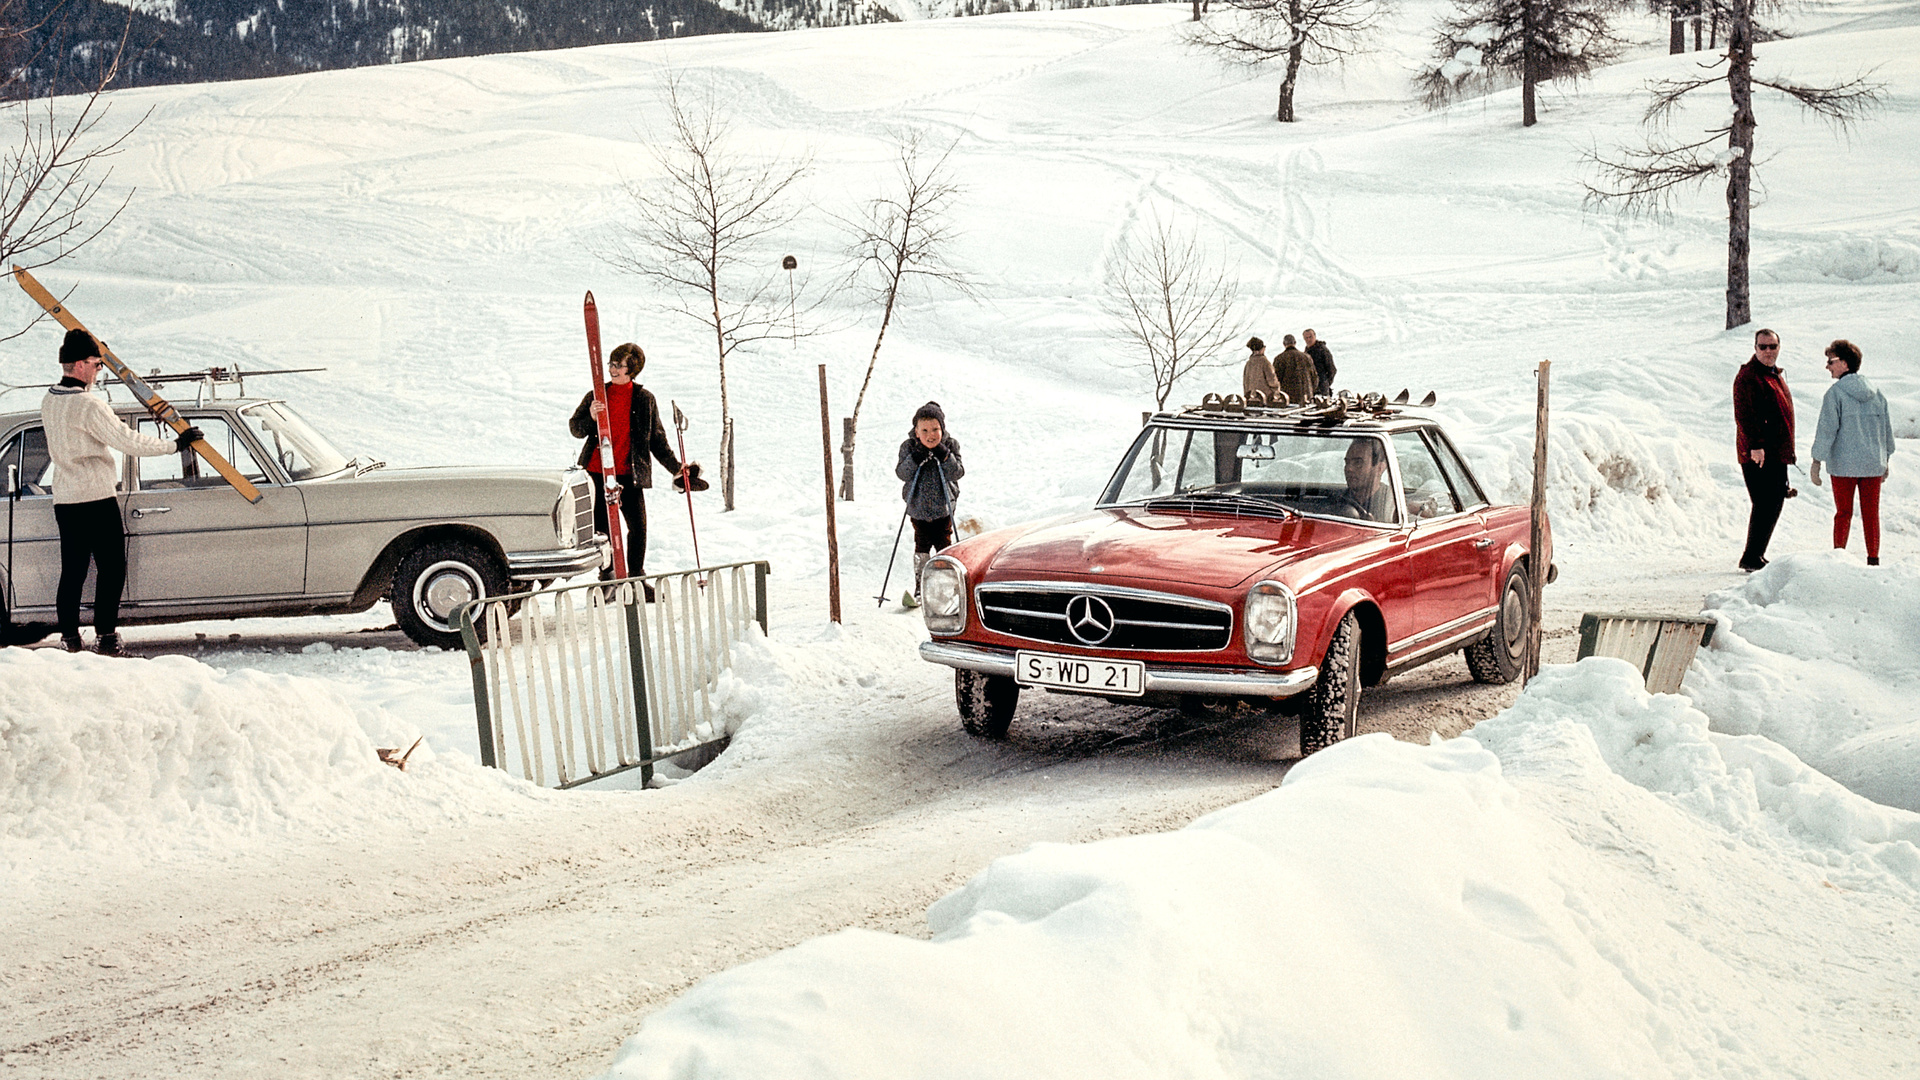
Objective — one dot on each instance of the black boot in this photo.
(72, 643)
(107, 644)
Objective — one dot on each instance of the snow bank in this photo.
(1822, 655)
(1390, 910)
(130, 759)
(1863, 259)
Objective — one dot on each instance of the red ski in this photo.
(609, 474)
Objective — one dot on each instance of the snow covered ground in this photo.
(207, 874)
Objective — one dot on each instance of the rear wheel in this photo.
(434, 580)
(1497, 657)
(1333, 705)
(986, 702)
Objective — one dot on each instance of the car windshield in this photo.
(1331, 474)
(303, 452)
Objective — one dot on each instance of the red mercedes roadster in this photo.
(1283, 556)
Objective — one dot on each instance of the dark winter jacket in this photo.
(1762, 413)
(1323, 369)
(645, 433)
(1855, 434)
(1295, 371)
(922, 470)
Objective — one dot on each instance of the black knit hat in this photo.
(79, 345)
(931, 411)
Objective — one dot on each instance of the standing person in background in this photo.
(1854, 438)
(81, 433)
(930, 469)
(1763, 435)
(1294, 369)
(1323, 369)
(1257, 375)
(639, 438)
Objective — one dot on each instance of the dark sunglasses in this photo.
(1775, 347)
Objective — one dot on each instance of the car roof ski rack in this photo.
(1325, 409)
(208, 381)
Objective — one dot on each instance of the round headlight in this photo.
(1269, 619)
(943, 596)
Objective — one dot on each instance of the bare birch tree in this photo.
(54, 166)
(1645, 178)
(899, 241)
(1295, 33)
(1171, 303)
(702, 228)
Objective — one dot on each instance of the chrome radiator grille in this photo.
(1125, 619)
(582, 512)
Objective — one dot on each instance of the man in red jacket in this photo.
(1763, 429)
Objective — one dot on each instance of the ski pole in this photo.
(897, 534)
(686, 485)
(892, 555)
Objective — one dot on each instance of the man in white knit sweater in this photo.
(81, 433)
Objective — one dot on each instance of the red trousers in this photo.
(1843, 488)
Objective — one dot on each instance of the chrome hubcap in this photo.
(443, 588)
(1513, 617)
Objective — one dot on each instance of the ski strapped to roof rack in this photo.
(160, 408)
(1326, 409)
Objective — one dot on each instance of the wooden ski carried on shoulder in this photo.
(157, 405)
(609, 479)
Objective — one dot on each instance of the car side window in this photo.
(28, 450)
(1456, 472)
(185, 469)
(1426, 489)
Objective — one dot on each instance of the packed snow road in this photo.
(534, 939)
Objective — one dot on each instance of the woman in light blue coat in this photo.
(1853, 441)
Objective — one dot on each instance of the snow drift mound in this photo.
(133, 758)
(1822, 655)
(1390, 910)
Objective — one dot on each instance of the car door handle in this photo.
(145, 510)
(1483, 543)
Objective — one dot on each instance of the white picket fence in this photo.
(577, 683)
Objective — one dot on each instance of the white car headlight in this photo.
(563, 519)
(1270, 620)
(943, 595)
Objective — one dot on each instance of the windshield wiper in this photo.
(1221, 501)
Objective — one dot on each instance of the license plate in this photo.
(1126, 677)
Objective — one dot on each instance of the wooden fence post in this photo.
(833, 537)
(1537, 533)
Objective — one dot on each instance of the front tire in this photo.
(986, 703)
(433, 581)
(1497, 658)
(1333, 705)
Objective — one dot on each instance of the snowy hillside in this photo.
(206, 874)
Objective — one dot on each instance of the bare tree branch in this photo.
(1171, 303)
(702, 229)
(1295, 32)
(54, 166)
(899, 241)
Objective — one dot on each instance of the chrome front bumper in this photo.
(1161, 679)
(559, 563)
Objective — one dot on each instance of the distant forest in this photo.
(61, 46)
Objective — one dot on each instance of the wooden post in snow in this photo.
(833, 536)
(1538, 559)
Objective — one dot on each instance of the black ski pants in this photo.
(633, 508)
(1767, 487)
(931, 536)
(91, 532)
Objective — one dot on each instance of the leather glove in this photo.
(188, 438)
(941, 451)
(920, 451)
